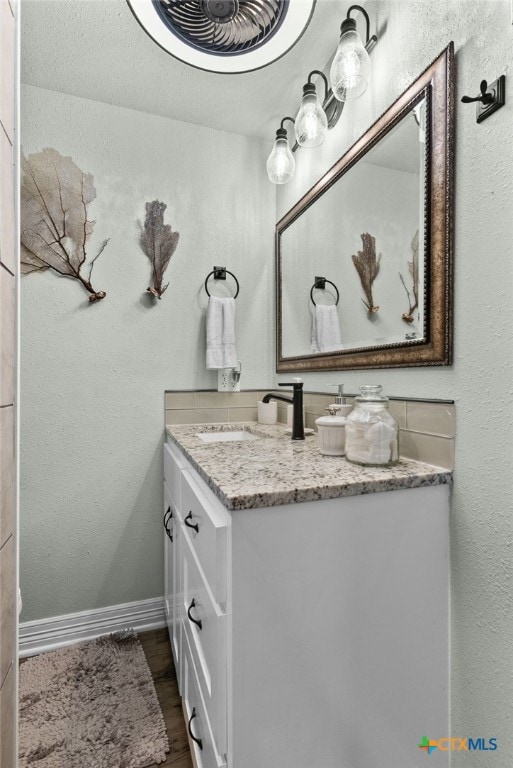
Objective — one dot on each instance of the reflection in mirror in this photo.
(375, 232)
(372, 223)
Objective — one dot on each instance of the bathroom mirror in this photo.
(373, 239)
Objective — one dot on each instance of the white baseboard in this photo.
(48, 634)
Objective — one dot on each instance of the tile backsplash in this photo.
(427, 428)
(210, 406)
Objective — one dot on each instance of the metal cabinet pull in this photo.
(191, 525)
(199, 742)
(167, 517)
(191, 618)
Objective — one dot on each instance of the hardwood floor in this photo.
(158, 652)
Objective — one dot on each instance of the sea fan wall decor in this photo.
(158, 241)
(413, 268)
(55, 228)
(367, 266)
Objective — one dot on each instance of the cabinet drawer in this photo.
(204, 625)
(174, 463)
(205, 521)
(200, 733)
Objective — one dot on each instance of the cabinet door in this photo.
(168, 522)
(172, 577)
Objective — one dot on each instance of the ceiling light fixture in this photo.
(224, 36)
(351, 67)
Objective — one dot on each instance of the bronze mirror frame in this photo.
(437, 84)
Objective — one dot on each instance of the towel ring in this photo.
(320, 283)
(220, 274)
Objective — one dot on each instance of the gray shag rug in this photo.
(91, 705)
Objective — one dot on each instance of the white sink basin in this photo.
(225, 437)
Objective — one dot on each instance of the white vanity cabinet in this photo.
(310, 635)
(196, 587)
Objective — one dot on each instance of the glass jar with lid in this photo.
(372, 433)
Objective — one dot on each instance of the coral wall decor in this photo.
(55, 228)
(413, 268)
(367, 266)
(158, 241)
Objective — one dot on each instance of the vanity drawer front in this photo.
(204, 625)
(174, 463)
(206, 522)
(198, 725)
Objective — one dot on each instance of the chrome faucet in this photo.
(298, 430)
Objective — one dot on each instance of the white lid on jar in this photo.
(331, 421)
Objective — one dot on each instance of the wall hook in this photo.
(485, 97)
(491, 98)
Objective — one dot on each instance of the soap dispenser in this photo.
(331, 430)
(340, 406)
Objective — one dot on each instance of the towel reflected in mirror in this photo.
(325, 329)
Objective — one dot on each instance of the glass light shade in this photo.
(311, 122)
(280, 163)
(351, 68)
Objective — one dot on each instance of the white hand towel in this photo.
(221, 352)
(325, 329)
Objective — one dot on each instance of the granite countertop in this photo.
(276, 470)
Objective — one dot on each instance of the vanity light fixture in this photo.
(351, 67)
(311, 121)
(349, 75)
(280, 163)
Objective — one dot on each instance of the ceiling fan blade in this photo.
(253, 22)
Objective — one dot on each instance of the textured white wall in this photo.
(93, 376)
(412, 34)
